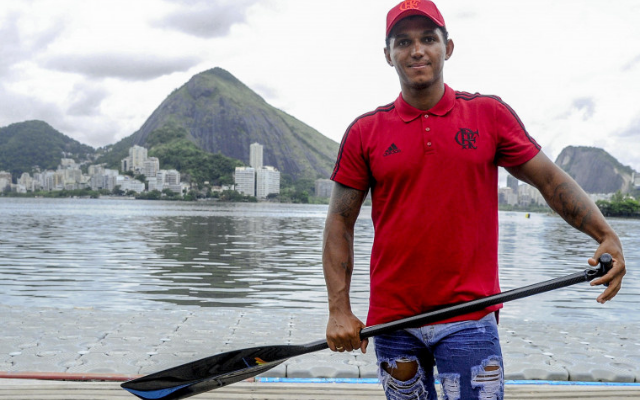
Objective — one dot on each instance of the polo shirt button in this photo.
(426, 115)
(429, 144)
(427, 129)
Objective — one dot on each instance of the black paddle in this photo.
(226, 368)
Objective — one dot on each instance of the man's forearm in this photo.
(337, 262)
(572, 203)
(337, 249)
(564, 196)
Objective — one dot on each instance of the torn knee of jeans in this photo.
(410, 388)
(450, 386)
(489, 378)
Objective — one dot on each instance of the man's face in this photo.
(418, 50)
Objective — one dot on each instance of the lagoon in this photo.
(139, 255)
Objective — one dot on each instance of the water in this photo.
(124, 254)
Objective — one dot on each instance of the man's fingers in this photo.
(363, 346)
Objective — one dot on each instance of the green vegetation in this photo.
(233, 196)
(620, 206)
(175, 151)
(94, 194)
(30, 144)
(292, 191)
(113, 154)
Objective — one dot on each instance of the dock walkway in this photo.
(54, 390)
(58, 343)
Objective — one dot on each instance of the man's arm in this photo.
(343, 328)
(568, 199)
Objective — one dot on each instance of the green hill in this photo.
(171, 146)
(30, 144)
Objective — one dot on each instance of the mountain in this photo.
(596, 170)
(222, 115)
(35, 143)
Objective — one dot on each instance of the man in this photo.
(430, 160)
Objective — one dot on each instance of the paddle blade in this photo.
(214, 372)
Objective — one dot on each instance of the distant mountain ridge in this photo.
(216, 113)
(222, 115)
(25, 145)
(595, 170)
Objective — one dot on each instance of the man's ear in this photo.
(449, 49)
(387, 56)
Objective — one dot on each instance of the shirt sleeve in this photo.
(351, 168)
(515, 145)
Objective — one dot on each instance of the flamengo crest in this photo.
(409, 5)
(466, 138)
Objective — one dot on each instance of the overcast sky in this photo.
(95, 70)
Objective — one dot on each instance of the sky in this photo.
(95, 70)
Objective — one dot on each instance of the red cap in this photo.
(408, 8)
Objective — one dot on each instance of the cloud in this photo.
(632, 63)
(86, 98)
(82, 121)
(581, 107)
(632, 130)
(205, 19)
(584, 105)
(18, 44)
(131, 67)
(16, 107)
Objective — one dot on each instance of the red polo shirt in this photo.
(433, 176)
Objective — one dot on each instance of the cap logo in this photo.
(410, 5)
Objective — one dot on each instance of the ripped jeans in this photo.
(467, 355)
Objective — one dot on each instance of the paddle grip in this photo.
(606, 263)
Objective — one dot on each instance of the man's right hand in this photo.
(343, 332)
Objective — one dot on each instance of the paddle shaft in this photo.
(476, 305)
(479, 304)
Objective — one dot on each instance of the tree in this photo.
(619, 206)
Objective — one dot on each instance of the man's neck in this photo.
(423, 98)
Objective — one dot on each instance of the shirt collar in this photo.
(408, 113)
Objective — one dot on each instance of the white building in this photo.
(245, 180)
(172, 177)
(28, 182)
(172, 181)
(138, 156)
(127, 183)
(67, 163)
(52, 181)
(508, 196)
(165, 180)
(106, 180)
(150, 166)
(255, 155)
(5, 181)
(136, 159)
(96, 169)
(528, 194)
(267, 181)
(154, 185)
